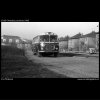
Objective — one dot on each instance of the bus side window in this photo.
(44, 40)
(41, 40)
(53, 40)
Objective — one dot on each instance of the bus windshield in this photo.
(44, 38)
(53, 38)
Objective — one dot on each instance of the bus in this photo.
(45, 43)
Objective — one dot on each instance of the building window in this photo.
(10, 40)
(2, 37)
(4, 40)
(17, 40)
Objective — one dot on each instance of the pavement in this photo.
(76, 53)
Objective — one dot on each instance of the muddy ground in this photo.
(70, 65)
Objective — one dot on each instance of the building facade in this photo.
(73, 43)
(63, 46)
(89, 41)
(11, 41)
(97, 41)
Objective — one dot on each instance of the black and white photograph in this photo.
(49, 50)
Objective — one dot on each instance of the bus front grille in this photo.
(49, 47)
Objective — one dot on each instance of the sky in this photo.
(28, 30)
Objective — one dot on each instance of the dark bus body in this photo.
(45, 44)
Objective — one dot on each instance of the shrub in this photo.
(10, 50)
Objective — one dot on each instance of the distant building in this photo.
(26, 43)
(63, 45)
(9, 40)
(89, 41)
(97, 41)
(73, 42)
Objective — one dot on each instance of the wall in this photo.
(82, 46)
(70, 44)
(63, 45)
(90, 42)
(14, 41)
(97, 42)
(73, 44)
(86, 43)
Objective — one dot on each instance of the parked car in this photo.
(92, 50)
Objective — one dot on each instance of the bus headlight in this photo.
(41, 48)
(56, 48)
(42, 44)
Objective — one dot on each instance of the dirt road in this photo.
(75, 67)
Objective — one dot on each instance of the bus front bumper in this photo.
(48, 51)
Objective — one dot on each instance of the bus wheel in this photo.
(55, 54)
(39, 54)
(34, 53)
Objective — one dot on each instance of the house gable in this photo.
(8, 39)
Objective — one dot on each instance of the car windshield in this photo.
(53, 38)
(44, 38)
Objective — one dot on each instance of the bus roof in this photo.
(47, 33)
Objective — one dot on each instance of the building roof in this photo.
(11, 36)
(92, 34)
(77, 36)
(26, 41)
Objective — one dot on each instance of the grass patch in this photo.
(10, 50)
(15, 65)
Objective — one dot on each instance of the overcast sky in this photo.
(30, 29)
